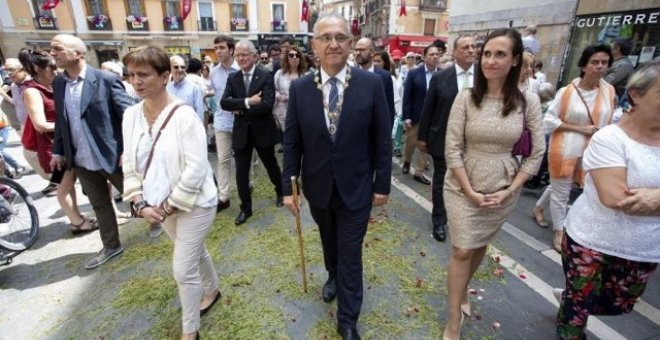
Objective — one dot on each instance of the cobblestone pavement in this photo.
(47, 294)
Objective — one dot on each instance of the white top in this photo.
(460, 76)
(612, 232)
(180, 171)
(341, 79)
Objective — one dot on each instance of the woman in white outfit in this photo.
(169, 180)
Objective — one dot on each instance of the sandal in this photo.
(87, 225)
(539, 219)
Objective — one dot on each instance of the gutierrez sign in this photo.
(619, 19)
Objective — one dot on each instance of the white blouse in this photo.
(609, 231)
(180, 171)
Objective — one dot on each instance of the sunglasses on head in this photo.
(294, 55)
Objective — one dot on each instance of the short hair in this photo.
(13, 63)
(287, 39)
(153, 56)
(427, 48)
(274, 47)
(224, 38)
(624, 45)
(331, 15)
(643, 79)
(113, 67)
(531, 29)
(194, 65)
(302, 65)
(33, 59)
(248, 44)
(546, 92)
(72, 42)
(590, 51)
(441, 45)
(461, 36)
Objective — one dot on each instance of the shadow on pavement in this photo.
(26, 276)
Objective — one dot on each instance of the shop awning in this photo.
(412, 43)
(38, 42)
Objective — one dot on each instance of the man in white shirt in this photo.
(530, 43)
(189, 92)
(444, 87)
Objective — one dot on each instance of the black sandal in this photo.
(78, 229)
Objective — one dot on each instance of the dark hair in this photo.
(287, 39)
(538, 64)
(225, 38)
(513, 98)
(427, 48)
(33, 59)
(460, 36)
(302, 65)
(274, 47)
(153, 56)
(590, 51)
(441, 45)
(194, 65)
(387, 63)
(624, 45)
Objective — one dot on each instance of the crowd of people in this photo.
(483, 113)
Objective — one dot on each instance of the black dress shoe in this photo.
(439, 232)
(329, 290)
(222, 205)
(208, 308)
(279, 202)
(242, 217)
(422, 179)
(405, 168)
(348, 333)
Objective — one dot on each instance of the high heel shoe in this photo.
(466, 309)
(446, 337)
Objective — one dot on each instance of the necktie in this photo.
(246, 81)
(333, 115)
(466, 80)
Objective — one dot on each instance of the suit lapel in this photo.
(453, 81)
(59, 88)
(256, 77)
(89, 88)
(316, 100)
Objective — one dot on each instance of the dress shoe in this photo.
(556, 240)
(406, 167)
(242, 217)
(102, 257)
(329, 290)
(279, 201)
(558, 294)
(422, 179)
(439, 232)
(222, 205)
(348, 333)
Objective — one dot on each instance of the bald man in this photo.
(90, 104)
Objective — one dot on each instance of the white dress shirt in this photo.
(341, 78)
(460, 76)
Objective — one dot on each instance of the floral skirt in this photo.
(597, 284)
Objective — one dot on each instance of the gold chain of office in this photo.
(333, 115)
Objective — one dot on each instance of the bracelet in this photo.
(167, 208)
(139, 206)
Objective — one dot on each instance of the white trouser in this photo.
(560, 191)
(192, 265)
(544, 201)
(223, 175)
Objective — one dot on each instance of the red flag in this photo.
(402, 11)
(186, 6)
(305, 11)
(50, 4)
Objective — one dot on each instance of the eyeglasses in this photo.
(177, 67)
(326, 38)
(294, 55)
(264, 59)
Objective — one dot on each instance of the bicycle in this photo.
(19, 221)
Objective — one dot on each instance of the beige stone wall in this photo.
(291, 15)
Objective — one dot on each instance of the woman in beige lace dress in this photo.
(484, 179)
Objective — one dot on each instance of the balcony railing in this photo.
(206, 24)
(137, 23)
(99, 23)
(45, 23)
(173, 24)
(279, 26)
(239, 25)
(433, 5)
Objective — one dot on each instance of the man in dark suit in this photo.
(338, 133)
(414, 91)
(90, 105)
(364, 49)
(250, 94)
(443, 89)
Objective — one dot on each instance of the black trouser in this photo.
(342, 232)
(438, 214)
(243, 157)
(95, 185)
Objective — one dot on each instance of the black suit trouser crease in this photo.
(438, 214)
(342, 234)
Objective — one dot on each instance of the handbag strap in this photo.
(153, 145)
(585, 104)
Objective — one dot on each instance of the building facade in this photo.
(113, 27)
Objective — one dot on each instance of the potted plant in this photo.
(45, 20)
(171, 22)
(137, 21)
(98, 20)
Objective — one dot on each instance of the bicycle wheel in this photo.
(19, 222)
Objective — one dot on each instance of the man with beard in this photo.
(364, 49)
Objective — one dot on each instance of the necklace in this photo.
(333, 116)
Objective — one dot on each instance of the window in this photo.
(97, 15)
(277, 12)
(36, 5)
(171, 8)
(429, 26)
(43, 19)
(96, 7)
(238, 17)
(206, 16)
(135, 8)
(238, 11)
(171, 15)
(136, 15)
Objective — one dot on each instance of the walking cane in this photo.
(296, 202)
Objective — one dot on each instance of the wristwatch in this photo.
(139, 206)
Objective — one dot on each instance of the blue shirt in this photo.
(222, 120)
(84, 156)
(190, 94)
